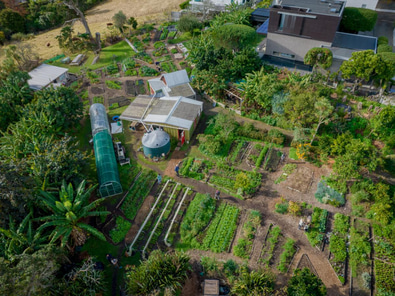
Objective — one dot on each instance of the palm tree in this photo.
(68, 209)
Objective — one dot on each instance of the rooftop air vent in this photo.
(333, 10)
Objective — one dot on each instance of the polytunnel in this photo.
(106, 163)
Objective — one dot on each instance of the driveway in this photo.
(385, 27)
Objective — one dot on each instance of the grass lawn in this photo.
(99, 249)
(110, 54)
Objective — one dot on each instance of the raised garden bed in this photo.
(273, 241)
(168, 67)
(243, 247)
(338, 246)
(384, 263)
(222, 229)
(237, 151)
(272, 159)
(360, 258)
(198, 215)
(237, 182)
(317, 228)
(137, 194)
(114, 84)
(131, 88)
(289, 250)
(195, 168)
(119, 232)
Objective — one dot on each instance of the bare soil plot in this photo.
(97, 90)
(121, 101)
(300, 180)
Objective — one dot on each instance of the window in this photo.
(363, 5)
(282, 21)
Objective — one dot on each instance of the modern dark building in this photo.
(296, 26)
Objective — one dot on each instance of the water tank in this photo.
(156, 143)
(99, 119)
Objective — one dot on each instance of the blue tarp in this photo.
(263, 28)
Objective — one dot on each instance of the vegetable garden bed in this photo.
(338, 246)
(317, 228)
(197, 217)
(222, 229)
(195, 168)
(136, 196)
(272, 159)
(237, 151)
(360, 258)
(384, 263)
(243, 247)
(237, 182)
(271, 250)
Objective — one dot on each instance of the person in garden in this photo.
(177, 169)
(159, 179)
(217, 193)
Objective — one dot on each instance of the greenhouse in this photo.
(99, 120)
(106, 164)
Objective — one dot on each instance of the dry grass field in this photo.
(99, 16)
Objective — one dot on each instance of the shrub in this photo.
(184, 5)
(382, 40)
(159, 44)
(319, 56)
(276, 136)
(384, 48)
(328, 195)
(367, 280)
(131, 72)
(281, 208)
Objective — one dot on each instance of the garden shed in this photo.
(172, 85)
(106, 163)
(178, 116)
(45, 75)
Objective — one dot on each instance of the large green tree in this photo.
(14, 95)
(383, 124)
(259, 88)
(299, 108)
(61, 104)
(119, 20)
(234, 37)
(305, 283)
(323, 109)
(366, 65)
(69, 211)
(161, 272)
(11, 21)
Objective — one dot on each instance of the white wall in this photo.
(370, 4)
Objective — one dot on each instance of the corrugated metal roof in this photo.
(156, 84)
(43, 75)
(176, 78)
(182, 114)
(136, 109)
(354, 41)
